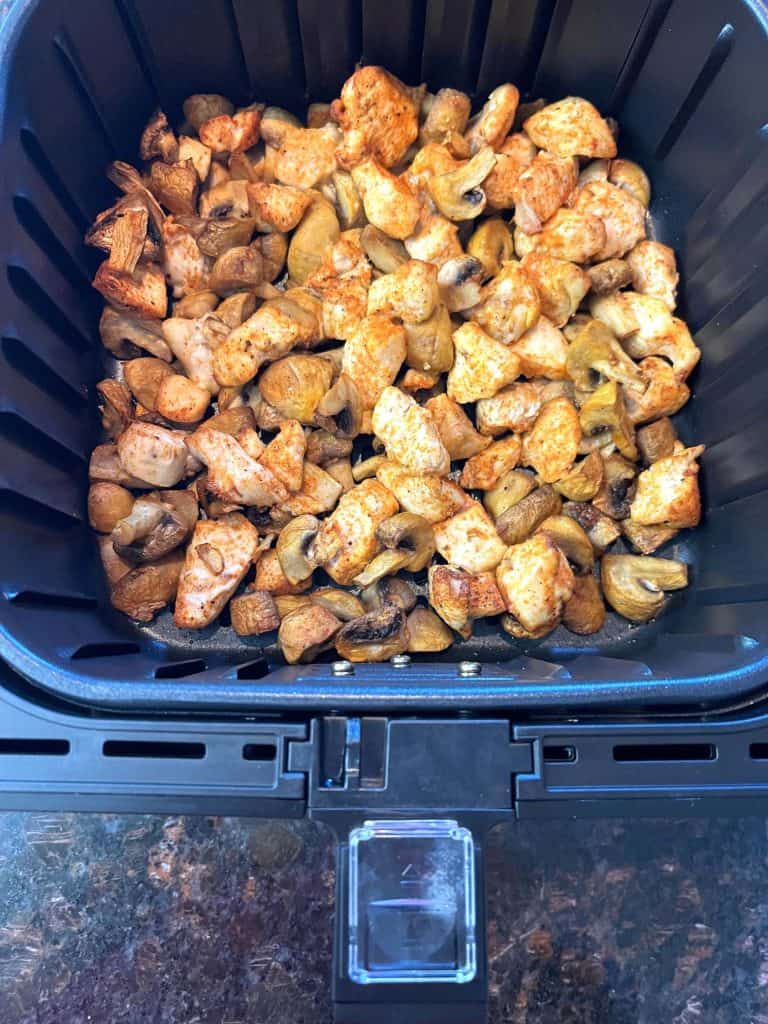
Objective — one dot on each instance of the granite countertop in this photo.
(153, 920)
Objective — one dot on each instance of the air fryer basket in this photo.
(687, 82)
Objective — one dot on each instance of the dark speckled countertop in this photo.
(137, 920)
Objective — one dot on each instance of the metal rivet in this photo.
(400, 660)
(470, 668)
(342, 668)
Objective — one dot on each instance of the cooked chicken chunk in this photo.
(373, 356)
(568, 235)
(561, 285)
(277, 207)
(542, 351)
(449, 112)
(302, 157)
(668, 491)
(234, 475)
(347, 540)
(409, 433)
(319, 493)
(664, 394)
(218, 557)
(389, 203)
(513, 408)
(284, 455)
(193, 343)
(411, 292)
(153, 453)
(509, 304)
(185, 266)
(492, 125)
(484, 470)
(654, 271)
(233, 133)
(571, 127)
(271, 578)
(431, 497)
(535, 581)
(432, 160)
(622, 215)
(515, 154)
(552, 444)
(378, 117)
(542, 189)
(436, 240)
(342, 280)
(460, 597)
(482, 365)
(469, 539)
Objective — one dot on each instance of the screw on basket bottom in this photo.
(342, 668)
(400, 660)
(470, 668)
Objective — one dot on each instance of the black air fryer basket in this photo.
(97, 713)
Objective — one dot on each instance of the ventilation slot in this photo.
(758, 751)
(638, 54)
(706, 76)
(259, 752)
(253, 669)
(138, 44)
(559, 755)
(106, 650)
(39, 599)
(644, 752)
(28, 291)
(48, 243)
(31, 512)
(35, 748)
(23, 435)
(180, 669)
(33, 369)
(154, 750)
(46, 170)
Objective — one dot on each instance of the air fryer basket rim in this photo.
(722, 663)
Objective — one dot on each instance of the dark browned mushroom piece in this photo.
(157, 524)
(144, 591)
(375, 636)
(115, 406)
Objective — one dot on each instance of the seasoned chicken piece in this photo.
(542, 189)
(234, 475)
(303, 157)
(347, 542)
(284, 455)
(654, 272)
(571, 127)
(342, 280)
(469, 540)
(409, 433)
(648, 329)
(373, 356)
(460, 597)
(186, 268)
(153, 453)
(388, 202)
(482, 365)
(568, 235)
(448, 113)
(247, 438)
(535, 581)
(411, 292)
(542, 351)
(513, 408)
(455, 428)
(515, 154)
(430, 161)
(492, 125)
(552, 444)
(319, 493)
(270, 333)
(509, 304)
(561, 285)
(200, 155)
(142, 291)
(378, 117)
(218, 557)
(484, 470)
(436, 240)
(664, 394)
(431, 497)
(276, 207)
(668, 491)
(193, 343)
(233, 133)
(622, 215)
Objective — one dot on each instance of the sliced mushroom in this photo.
(341, 603)
(460, 283)
(115, 407)
(595, 354)
(385, 253)
(635, 585)
(448, 112)
(455, 428)
(157, 139)
(510, 489)
(520, 519)
(341, 471)
(409, 535)
(617, 490)
(584, 480)
(175, 186)
(195, 305)
(584, 612)
(632, 178)
(609, 275)
(368, 468)
(294, 546)
(572, 541)
(296, 384)
(605, 408)
(457, 194)
(430, 342)
(142, 292)
(144, 377)
(324, 447)
(236, 309)
(343, 406)
(224, 233)
(237, 269)
(126, 336)
(157, 523)
(108, 503)
(319, 229)
(146, 590)
(600, 528)
(427, 633)
(287, 603)
(389, 590)
(656, 440)
(492, 125)
(105, 467)
(228, 199)
(270, 577)
(254, 613)
(201, 107)
(491, 243)
(375, 636)
(307, 631)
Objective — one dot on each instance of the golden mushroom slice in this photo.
(635, 585)
(632, 178)
(609, 276)
(156, 524)
(427, 633)
(459, 280)
(108, 503)
(455, 428)
(509, 489)
(294, 548)
(584, 612)
(115, 406)
(429, 344)
(456, 193)
(319, 228)
(595, 354)
(605, 409)
(491, 243)
(375, 636)
(572, 541)
(295, 385)
(618, 487)
(584, 480)
(174, 185)
(600, 528)
(494, 122)
(144, 591)
(141, 292)
(656, 440)
(448, 112)
(253, 613)
(519, 518)
(389, 590)
(127, 336)
(341, 603)
(385, 253)
(158, 140)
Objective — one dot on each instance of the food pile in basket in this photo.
(400, 350)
